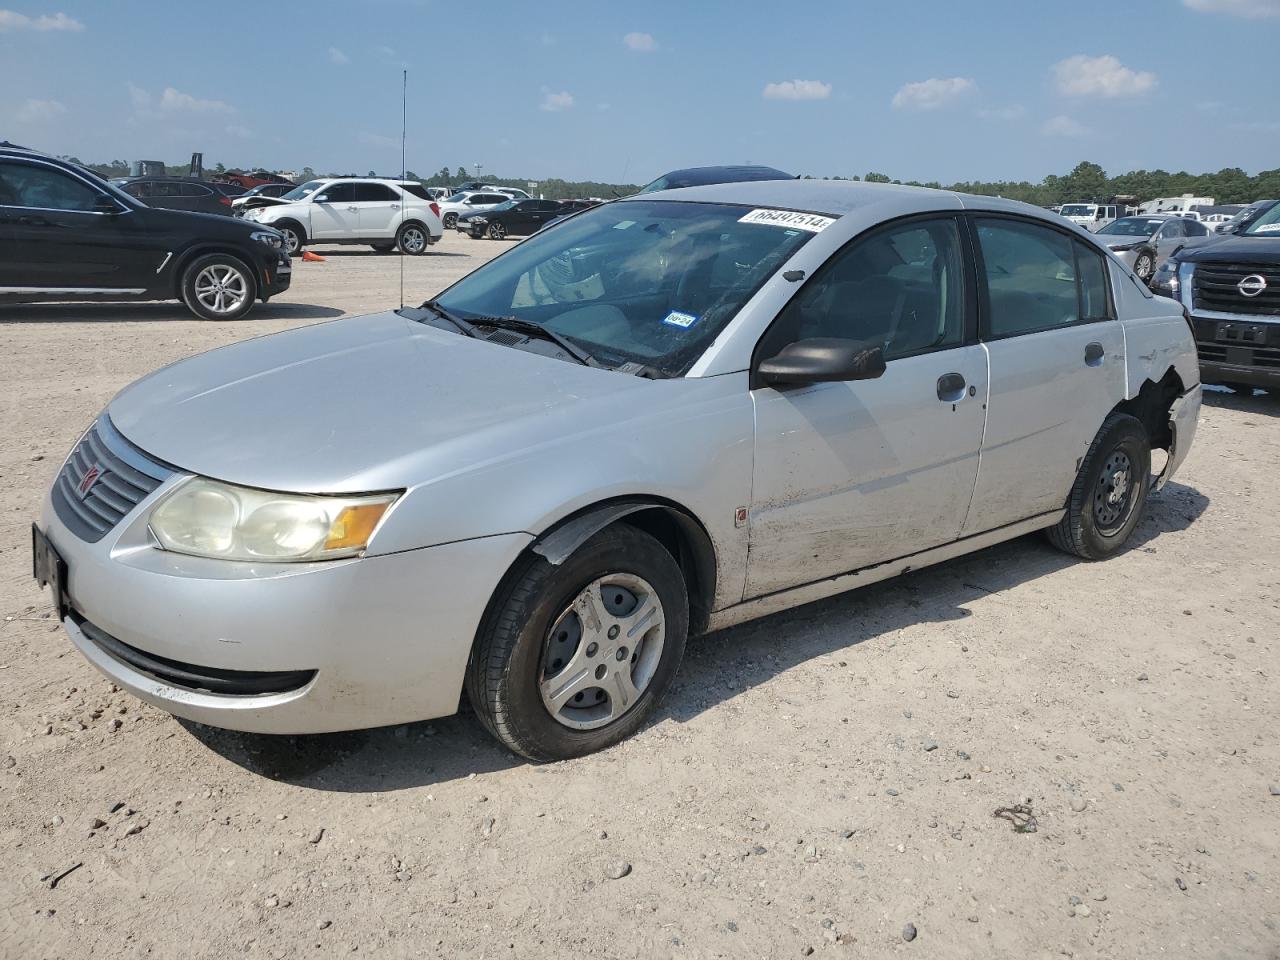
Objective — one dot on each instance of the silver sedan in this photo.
(663, 416)
(1144, 243)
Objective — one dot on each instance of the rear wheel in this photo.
(412, 239)
(574, 658)
(450, 221)
(218, 286)
(1109, 493)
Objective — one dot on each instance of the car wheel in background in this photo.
(450, 221)
(1109, 493)
(573, 658)
(293, 237)
(412, 239)
(384, 247)
(218, 286)
(497, 231)
(1144, 266)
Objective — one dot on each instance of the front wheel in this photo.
(1109, 493)
(1144, 266)
(218, 287)
(450, 221)
(573, 658)
(293, 238)
(497, 231)
(412, 240)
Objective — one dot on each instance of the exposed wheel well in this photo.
(1151, 407)
(675, 528)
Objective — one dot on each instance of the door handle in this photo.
(353, 209)
(951, 387)
(1093, 354)
(395, 206)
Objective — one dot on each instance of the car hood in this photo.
(1228, 248)
(1116, 242)
(210, 224)
(366, 403)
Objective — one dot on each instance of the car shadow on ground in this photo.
(1259, 402)
(152, 311)
(328, 252)
(717, 667)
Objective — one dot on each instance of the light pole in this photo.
(479, 167)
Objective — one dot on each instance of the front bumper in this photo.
(1243, 349)
(276, 273)
(388, 637)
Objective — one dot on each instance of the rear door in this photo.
(1057, 365)
(379, 209)
(334, 214)
(62, 242)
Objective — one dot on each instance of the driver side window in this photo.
(901, 288)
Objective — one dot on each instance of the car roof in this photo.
(831, 197)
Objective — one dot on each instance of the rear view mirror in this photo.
(823, 360)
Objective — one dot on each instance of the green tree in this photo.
(876, 178)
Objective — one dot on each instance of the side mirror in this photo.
(105, 204)
(323, 198)
(823, 360)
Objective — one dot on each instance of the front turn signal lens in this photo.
(354, 526)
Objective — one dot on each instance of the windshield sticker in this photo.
(1267, 228)
(677, 319)
(623, 224)
(811, 222)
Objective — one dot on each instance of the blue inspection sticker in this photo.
(677, 319)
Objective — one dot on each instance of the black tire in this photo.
(412, 239)
(497, 231)
(385, 247)
(1096, 525)
(507, 663)
(1145, 265)
(450, 221)
(202, 279)
(294, 237)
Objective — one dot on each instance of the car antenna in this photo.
(404, 115)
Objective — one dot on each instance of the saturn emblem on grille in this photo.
(1252, 285)
(88, 480)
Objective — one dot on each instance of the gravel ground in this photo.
(1010, 755)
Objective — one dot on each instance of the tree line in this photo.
(1087, 182)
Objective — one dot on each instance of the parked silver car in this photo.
(669, 414)
(1144, 243)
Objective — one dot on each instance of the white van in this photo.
(1179, 205)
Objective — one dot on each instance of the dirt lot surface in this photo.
(817, 781)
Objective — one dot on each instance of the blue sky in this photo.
(917, 89)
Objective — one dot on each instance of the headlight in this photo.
(206, 518)
(477, 219)
(270, 237)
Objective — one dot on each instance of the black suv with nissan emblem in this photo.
(1231, 290)
(67, 234)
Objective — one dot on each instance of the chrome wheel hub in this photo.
(413, 240)
(602, 652)
(221, 288)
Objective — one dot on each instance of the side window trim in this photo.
(968, 276)
(984, 297)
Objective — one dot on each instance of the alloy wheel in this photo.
(221, 288)
(413, 240)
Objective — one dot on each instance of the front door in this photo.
(334, 213)
(1057, 366)
(64, 243)
(852, 474)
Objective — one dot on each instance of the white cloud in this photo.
(1082, 76)
(239, 131)
(12, 20)
(337, 57)
(641, 42)
(933, 93)
(377, 140)
(1013, 112)
(553, 102)
(1249, 9)
(1064, 126)
(797, 90)
(172, 100)
(37, 111)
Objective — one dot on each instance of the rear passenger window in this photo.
(1095, 304)
(1031, 277)
(901, 287)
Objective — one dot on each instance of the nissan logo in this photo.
(1252, 285)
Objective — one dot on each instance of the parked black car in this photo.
(701, 176)
(1231, 291)
(517, 218)
(182, 193)
(67, 234)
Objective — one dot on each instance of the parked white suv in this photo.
(386, 214)
(469, 202)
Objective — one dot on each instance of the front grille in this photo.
(1239, 343)
(91, 506)
(192, 677)
(1215, 286)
